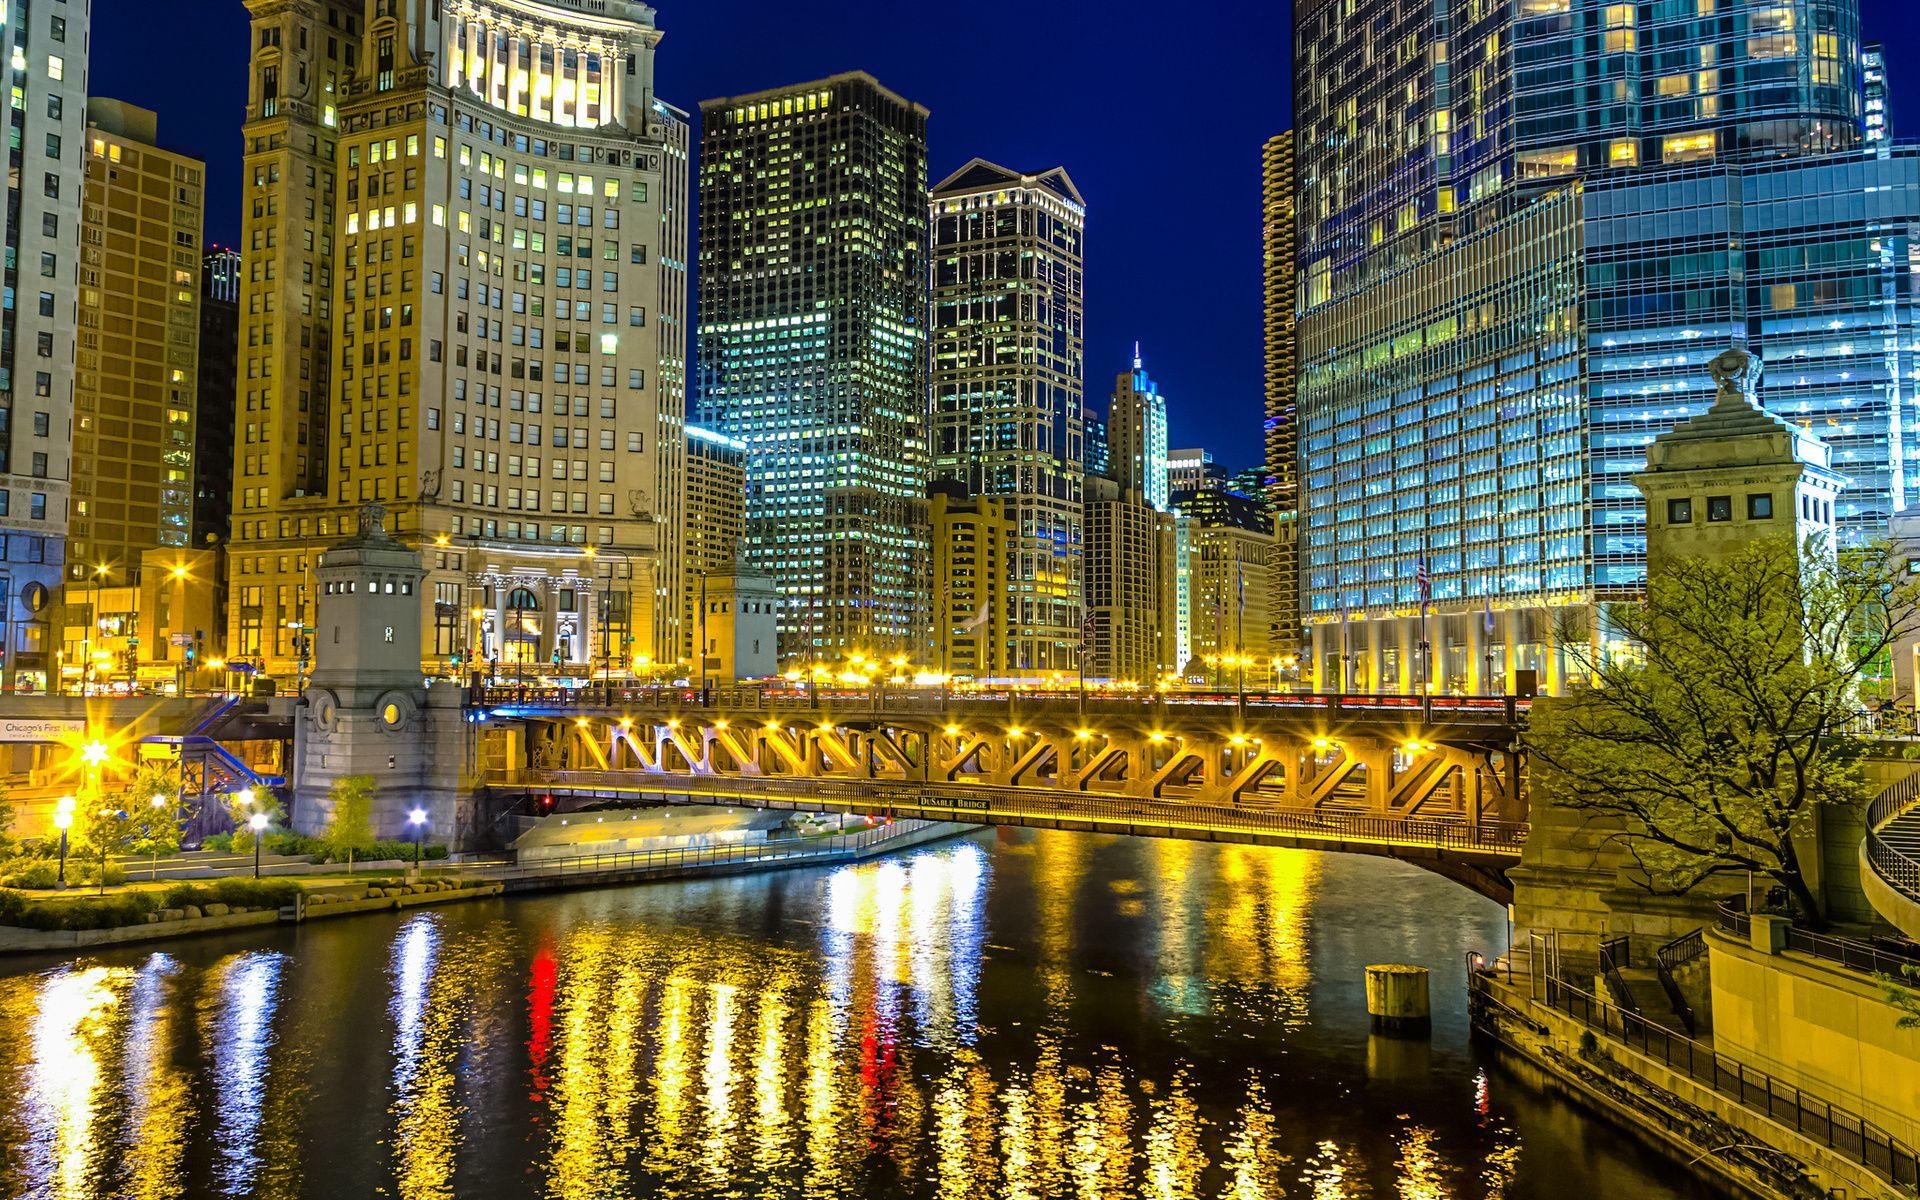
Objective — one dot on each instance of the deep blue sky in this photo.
(1157, 110)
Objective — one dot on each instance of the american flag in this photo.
(1424, 579)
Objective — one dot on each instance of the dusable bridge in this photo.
(1438, 782)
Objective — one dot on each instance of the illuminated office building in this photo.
(1230, 539)
(1137, 435)
(1279, 241)
(45, 43)
(220, 272)
(466, 244)
(139, 358)
(1009, 368)
(716, 515)
(1131, 587)
(1193, 470)
(1514, 269)
(812, 349)
(973, 540)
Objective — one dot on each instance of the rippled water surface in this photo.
(1012, 1015)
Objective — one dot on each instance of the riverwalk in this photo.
(321, 898)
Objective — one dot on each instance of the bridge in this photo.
(1440, 782)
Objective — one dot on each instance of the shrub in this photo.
(12, 904)
(104, 912)
(294, 845)
(396, 849)
(95, 874)
(219, 843)
(255, 893)
(30, 873)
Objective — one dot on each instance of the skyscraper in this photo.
(1131, 587)
(46, 43)
(1279, 246)
(716, 515)
(1009, 368)
(466, 255)
(1228, 620)
(812, 350)
(137, 389)
(1193, 470)
(1137, 435)
(213, 408)
(1485, 350)
(973, 544)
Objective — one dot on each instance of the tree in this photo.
(1902, 998)
(350, 831)
(6, 819)
(153, 801)
(1724, 711)
(106, 831)
(242, 806)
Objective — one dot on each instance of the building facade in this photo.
(1513, 282)
(812, 350)
(1193, 470)
(1131, 581)
(973, 539)
(716, 509)
(46, 46)
(220, 273)
(1230, 538)
(137, 390)
(464, 301)
(1137, 451)
(1009, 383)
(1279, 244)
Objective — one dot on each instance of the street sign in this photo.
(180, 639)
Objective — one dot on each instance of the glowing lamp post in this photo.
(418, 819)
(258, 823)
(63, 821)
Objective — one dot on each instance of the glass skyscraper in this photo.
(812, 350)
(1009, 385)
(1525, 228)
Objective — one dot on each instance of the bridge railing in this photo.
(1477, 709)
(982, 803)
(1870, 958)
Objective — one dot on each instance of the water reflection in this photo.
(1039, 1016)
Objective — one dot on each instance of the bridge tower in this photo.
(368, 710)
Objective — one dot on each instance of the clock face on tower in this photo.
(389, 633)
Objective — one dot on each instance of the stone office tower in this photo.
(466, 247)
(45, 41)
(1009, 383)
(812, 351)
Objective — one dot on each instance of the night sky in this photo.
(1157, 110)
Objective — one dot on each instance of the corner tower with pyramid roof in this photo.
(1734, 473)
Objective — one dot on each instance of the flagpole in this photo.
(1426, 641)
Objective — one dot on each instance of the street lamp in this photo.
(418, 819)
(63, 821)
(258, 823)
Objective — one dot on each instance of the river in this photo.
(1015, 1014)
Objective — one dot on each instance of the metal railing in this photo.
(1616, 954)
(1897, 868)
(1812, 1117)
(911, 699)
(1668, 962)
(992, 804)
(1871, 958)
(782, 850)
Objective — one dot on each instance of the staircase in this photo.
(1890, 855)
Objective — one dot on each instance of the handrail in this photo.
(1895, 867)
(1667, 962)
(979, 803)
(1616, 954)
(1869, 958)
(1810, 1116)
(891, 699)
